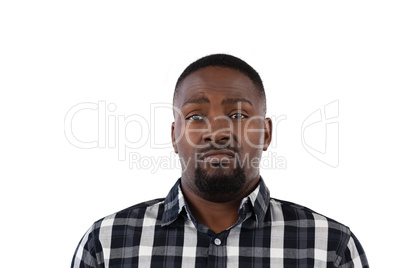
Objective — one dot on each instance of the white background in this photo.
(57, 54)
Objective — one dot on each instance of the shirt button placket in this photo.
(217, 241)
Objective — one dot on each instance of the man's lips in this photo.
(217, 155)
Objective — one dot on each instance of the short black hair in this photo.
(227, 61)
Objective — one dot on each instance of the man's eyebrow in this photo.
(196, 100)
(236, 100)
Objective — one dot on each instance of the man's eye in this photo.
(237, 116)
(195, 117)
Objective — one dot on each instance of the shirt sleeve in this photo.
(89, 251)
(353, 255)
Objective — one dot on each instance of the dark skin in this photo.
(219, 107)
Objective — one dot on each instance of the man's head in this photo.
(220, 129)
(227, 61)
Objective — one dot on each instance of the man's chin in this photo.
(217, 172)
(219, 183)
(217, 166)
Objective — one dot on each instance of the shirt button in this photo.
(217, 241)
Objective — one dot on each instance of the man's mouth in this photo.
(217, 156)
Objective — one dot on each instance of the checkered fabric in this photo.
(269, 233)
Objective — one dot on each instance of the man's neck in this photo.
(216, 216)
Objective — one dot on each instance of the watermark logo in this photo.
(320, 134)
(128, 133)
(270, 160)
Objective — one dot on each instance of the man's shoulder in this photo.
(132, 213)
(293, 213)
(141, 207)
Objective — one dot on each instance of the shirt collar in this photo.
(173, 205)
(257, 201)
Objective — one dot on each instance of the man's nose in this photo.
(219, 131)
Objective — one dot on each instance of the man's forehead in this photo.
(216, 77)
(224, 95)
(224, 100)
(215, 81)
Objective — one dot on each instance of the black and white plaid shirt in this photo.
(269, 233)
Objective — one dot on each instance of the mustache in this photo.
(217, 147)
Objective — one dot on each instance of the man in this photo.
(219, 213)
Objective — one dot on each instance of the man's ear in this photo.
(267, 133)
(174, 140)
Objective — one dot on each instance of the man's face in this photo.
(219, 133)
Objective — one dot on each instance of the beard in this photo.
(222, 185)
